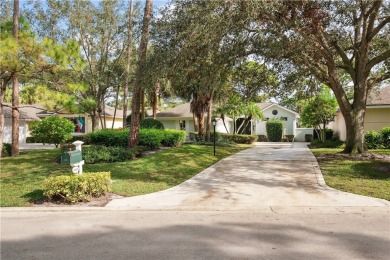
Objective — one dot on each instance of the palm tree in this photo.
(250, 111)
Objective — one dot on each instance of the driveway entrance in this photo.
(276, 175)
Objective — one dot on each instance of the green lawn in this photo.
(21, 178)
(365, 177)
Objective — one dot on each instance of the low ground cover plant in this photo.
(103, 154)
(76, 188)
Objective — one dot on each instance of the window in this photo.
(79, 124)
(283, 118)
(275, 112)
(182, 124)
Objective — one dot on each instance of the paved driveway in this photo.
(276, 175)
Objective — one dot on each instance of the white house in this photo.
(181, 118)
(289, 117)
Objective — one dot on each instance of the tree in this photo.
(29, 59)
(250, 111)
(15, 88)
(328, 39)
(319, 111)
(252, 79)
(53, 130)
(128, 61)
(137, 89)
(195, 55)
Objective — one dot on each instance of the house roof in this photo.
(263, 106)
(379, 97)
(182, 110)
(26, 112)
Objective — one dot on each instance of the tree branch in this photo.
(376, 30)
(378, 59)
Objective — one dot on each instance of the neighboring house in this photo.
(181, 118)
(82, 122)
(377, 113)
(27, 114)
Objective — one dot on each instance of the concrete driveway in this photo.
(276, 175)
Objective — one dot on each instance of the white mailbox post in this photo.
(77, 167)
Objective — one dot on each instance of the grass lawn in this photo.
(355, 175)
(21, 178)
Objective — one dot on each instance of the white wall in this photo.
(7, 138)
(301, 132)
(289, 124)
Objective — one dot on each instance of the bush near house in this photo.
(52, 130)
(150, 123)
(274, 128)
(173, 138)
(149, 138)
(373, 139)
(238, 139)
(7, 148)
(75, 188)
(385, 133)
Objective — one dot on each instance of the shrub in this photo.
(274, 128)
(109, 137)
(75, 188)
(30, 140)
(290, 138)
(238, 139)
(150, 123)
(308, 137)
(151, 138)
(6, 151)
(385, 133)
(173, 138)
(53, 130)
(102, 154)
(262, 138)
(373, 139)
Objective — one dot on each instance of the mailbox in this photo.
(71, 157)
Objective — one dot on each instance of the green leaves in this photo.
(52, 130)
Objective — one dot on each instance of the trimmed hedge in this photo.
(173, 138)
(274, 128)
(75, 188)
(385, 133)
(149, 138)
(373, 139)
(238, 139)
(109, 137)
(102, 154)
(150, 123)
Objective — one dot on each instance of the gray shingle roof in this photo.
(182, 110)
(26, 112)
(379, 97)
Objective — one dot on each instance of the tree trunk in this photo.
(128, 63)
(2, 119)
(95, 121)
(143, 105)
(354, 123)
(200, 118)
(137, 91)
(209, 118)
(196, 123)
(224, 124)
(155, 99)
(116, 105)
(15, 89)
